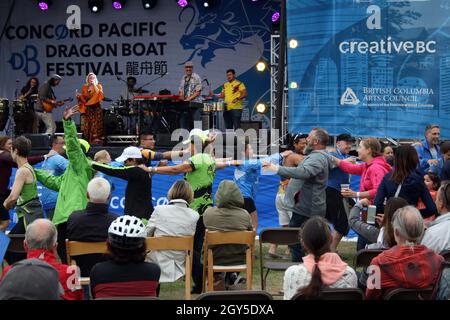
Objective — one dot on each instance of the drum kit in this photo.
(119, 117)
(20, 107)
(214, 106)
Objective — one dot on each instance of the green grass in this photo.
(175, 291)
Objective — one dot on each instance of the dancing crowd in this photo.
(395, 199)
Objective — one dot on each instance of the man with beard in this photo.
(306, 190)
(429, 152)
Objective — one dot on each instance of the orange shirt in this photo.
(90, 97)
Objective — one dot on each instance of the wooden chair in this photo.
(78, 248)
(213, 238)
(238, 295)
(446, 255)
(278, 236)
(176, 243)
(408, 294)
(364, 257)
(336, 294)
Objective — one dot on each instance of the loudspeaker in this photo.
(39, 141)
(257, 125)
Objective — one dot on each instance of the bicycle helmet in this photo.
(127, 232)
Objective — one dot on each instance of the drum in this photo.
(208, 107)
(20, 107)
(112, 123)
(219, 106)
(4, 113)
(34, 97)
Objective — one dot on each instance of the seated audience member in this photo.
(176, 220)
(445, 151)
(320, 268)
(443, 292)
(405, 181)
(45, 279)
(378, 238)
(437, 236)
(92, 223)
(40, 243)
(228, 215)
(125, 274)
(407, 265)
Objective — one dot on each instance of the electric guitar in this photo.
(49, 105)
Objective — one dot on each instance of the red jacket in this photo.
(371, 174)
(413, 267)
(67, 276)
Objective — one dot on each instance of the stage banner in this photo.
(265, 201)
(151, 45)
(369, 68)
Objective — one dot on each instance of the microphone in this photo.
(207, 82)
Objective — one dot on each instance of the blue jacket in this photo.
(336, 176)
(412, 189)
(424, 153)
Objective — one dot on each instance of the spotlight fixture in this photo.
(44, 5)
(293, 85)
(95, 5)
(261, 108)
(182, 3)
(276, 17)
(261, 65)
(209, 3)
(293, 44)
(118, 4)
(149, 4)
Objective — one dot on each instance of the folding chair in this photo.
(15, 251)
(236, 295)
(213, 238)
(336, 294)
(408, 294)
(364, 257)
(176, 243)
(127, 298)
(446, 255)
(78, 248)
(279, 236)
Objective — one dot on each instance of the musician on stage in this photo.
(46, 102)
(89, 102)
(190, 90)
(233, 92)
(28, 122)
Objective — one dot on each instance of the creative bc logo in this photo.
(349, 98)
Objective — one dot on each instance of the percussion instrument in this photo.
(34, 97)
(112, 122)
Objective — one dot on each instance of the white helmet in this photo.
(127, 232)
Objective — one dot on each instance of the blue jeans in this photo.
(187, 119)
(232, 119)
(296, 249)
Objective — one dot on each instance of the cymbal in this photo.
(141, 91)
(107, 99)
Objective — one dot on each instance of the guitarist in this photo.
(46, 102)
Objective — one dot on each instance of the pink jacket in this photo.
(371, 174)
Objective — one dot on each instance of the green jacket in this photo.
(72, 185)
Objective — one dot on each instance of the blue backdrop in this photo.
(369, 68)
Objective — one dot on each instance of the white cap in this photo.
(203, 135)
(130, 153)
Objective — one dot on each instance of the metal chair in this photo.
(239, 295)
(408, 294)
(336, 294)
(278, 236)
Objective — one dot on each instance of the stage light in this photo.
(293, 44)
(182, 3)
(95, 5)
(209, 3)
(261, 66)
(149, 4)
(44, 5)
(276, 17)
(118, 4)
(293, 85)
(261, 108)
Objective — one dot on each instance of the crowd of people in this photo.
(400, 205)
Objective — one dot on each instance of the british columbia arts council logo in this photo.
(349, 98)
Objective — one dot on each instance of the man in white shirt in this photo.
(437, 236)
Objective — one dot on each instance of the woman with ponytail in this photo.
(321, 267)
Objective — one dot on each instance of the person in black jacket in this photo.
(445, 150)
(91, 224)
(405, 181)
(138, 194)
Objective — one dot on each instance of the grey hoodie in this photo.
(309, 179)
(228, 215)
